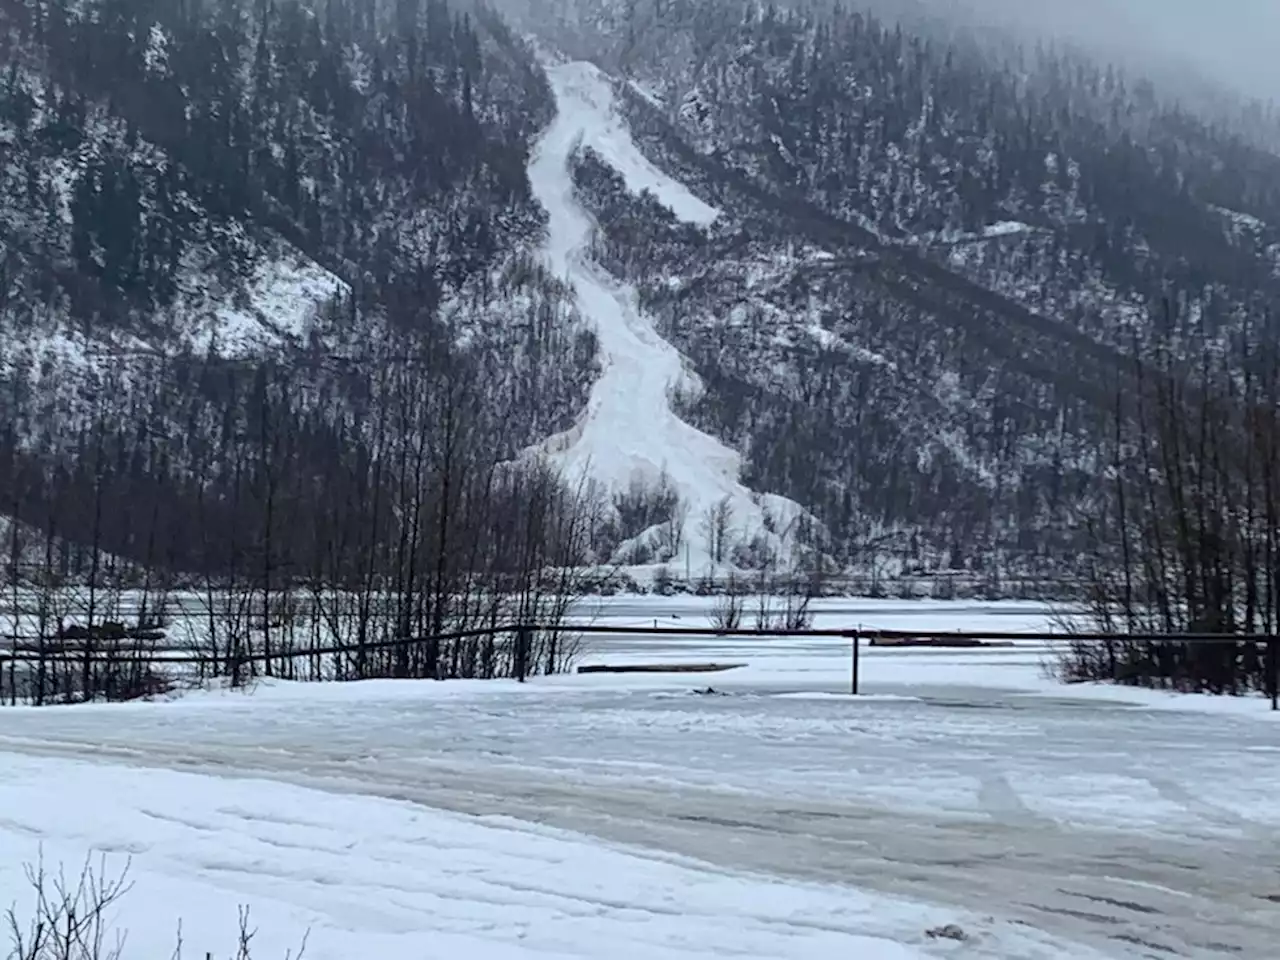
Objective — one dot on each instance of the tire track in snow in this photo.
(629, 429)
(1163, 897)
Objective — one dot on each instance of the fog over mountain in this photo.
(1231, 43)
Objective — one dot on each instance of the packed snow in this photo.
(646, 93)
(62, 351)
(1242, 221)
(759, 811)
(629, 430)
(353, 876)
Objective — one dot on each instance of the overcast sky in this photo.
(1236, 42)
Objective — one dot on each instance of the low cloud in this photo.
(1233, 42)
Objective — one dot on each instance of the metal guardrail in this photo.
(69, 652)
(856, 636)
(87, 661)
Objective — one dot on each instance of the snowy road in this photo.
(358, 877)
(1127, 827)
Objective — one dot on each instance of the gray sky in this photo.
(1236, 42)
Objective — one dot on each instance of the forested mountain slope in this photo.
(271, 289)
(266, 282)
(940, 259)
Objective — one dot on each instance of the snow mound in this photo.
(629, 433)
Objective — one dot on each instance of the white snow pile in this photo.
(63, 350)
(629, 433)
(1239, 220)
(953, 237)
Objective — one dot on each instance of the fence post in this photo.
(856, 636)
(522, 653)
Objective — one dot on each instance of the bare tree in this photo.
(69, 920)
(716, 527)
(1185, 538)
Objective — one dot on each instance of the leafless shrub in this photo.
(717, 528)
(663, 581)
(70, 920)
(796, 613)
(727, 612)
(785, 602)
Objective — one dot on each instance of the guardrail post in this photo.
(1273, 671)
(856, 636)
(523, 643)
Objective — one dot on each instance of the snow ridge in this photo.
(629, 430)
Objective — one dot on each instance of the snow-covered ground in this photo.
(357, 876)
(774, 817)
(629, 430)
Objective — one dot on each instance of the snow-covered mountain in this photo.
(629, 437)
(935, 261)
(761, 284)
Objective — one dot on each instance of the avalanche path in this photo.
(629, 430)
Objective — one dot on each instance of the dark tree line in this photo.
(291, 528)
(348, 129)
(1188, 542)
(919, 137)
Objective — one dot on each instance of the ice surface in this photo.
(629, 430)
(966, 778)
